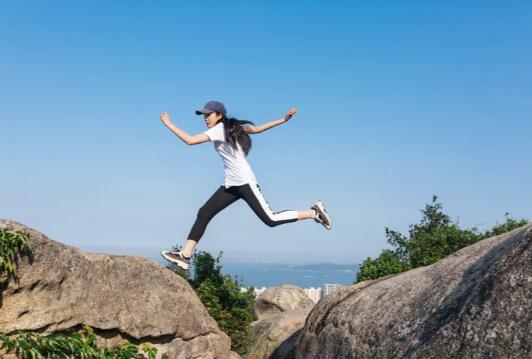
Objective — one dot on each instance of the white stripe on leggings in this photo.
(279, 216)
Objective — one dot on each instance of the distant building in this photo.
(331, 288)
(258, 291)
(313, 293)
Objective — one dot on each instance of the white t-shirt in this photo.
(236, 167)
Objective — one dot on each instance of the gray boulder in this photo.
(476, 303)
(276, 334)
(281, 313)
(281, 299)
(122, 297)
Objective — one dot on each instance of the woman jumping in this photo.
(232, 142)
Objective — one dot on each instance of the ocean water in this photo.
(275, 274)
(305, 276)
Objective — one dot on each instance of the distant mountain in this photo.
(329, 267)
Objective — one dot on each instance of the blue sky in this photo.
(397, 101)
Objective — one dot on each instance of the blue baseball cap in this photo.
(210, 107)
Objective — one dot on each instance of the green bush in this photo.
(429, 246)
(224, 298)
(80, 345)
(11, 244)
(509, 225)
(434, 238)
(386, 263)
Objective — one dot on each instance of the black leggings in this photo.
(223, 197)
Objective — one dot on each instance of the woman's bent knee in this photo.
(271, 223)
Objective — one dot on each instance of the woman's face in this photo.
(212, 118)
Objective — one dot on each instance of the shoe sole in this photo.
(177, 262)
(324, 213)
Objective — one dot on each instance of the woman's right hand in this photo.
(165, 119)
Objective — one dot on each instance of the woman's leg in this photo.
(254, 198)
(219, 200)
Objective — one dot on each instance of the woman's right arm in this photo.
(185, 137)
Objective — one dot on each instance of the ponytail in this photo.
(235, 133)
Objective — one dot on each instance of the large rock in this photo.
(281, 313)
(281, 299)
(476, 303)
(121, 297)
(276, 333)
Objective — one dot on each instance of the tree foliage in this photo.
(224, 297)
(82, 345)
(12, 243)
(386, 263)
(428, 241)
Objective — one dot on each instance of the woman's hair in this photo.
(236, 134)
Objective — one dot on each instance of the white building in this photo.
(331, 288)
(313, 293)
(258, 291)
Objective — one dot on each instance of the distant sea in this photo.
(260, 275)
(302, 275)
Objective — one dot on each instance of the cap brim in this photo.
(203, 111)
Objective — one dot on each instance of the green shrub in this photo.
(509, 225)
(386, 263)
(11, 244)
(80, 345)
(224, 298)
(427, 247)
(428, 241)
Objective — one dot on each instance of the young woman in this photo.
(232, 142)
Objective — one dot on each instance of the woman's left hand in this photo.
(290, 114)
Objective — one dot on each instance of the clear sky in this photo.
(398, 100)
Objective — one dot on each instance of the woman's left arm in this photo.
(271, 124)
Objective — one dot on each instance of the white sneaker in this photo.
(177, 258)
(321, 215)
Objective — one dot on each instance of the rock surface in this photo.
(276, 333)
(282, 312)
(476, 303)
(281, 299)
(121, 297)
